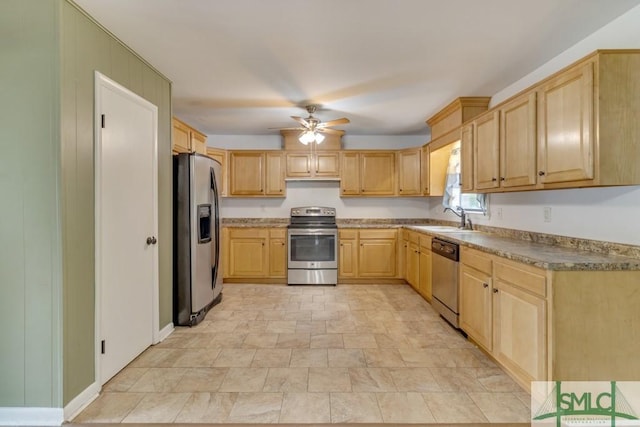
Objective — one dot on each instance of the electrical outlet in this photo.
(499, 213)
(547, 214)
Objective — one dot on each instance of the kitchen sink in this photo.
(443, 229)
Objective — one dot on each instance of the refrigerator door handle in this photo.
(216, 227)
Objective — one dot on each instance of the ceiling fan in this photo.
(312, 129)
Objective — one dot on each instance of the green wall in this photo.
(49, 51)
(30, 248)
(87, 47)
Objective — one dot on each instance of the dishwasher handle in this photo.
(446, 249)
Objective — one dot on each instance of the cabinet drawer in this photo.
(425, 242)
(248, 233)
(476, 259)
(348, 234)
(378, 234)
(522, 276)
(277, 233)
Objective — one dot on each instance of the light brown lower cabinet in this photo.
(417, 257)
(544, 325)
(503, 309)
(424, 288)
(368, 253)
(254, 253)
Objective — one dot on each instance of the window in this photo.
(453, 198)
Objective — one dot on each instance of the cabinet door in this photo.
(274, 175)
(246, 173)
(518, 142)
(413, 265)
(299, 165)
(377, 253)
(248, 253)
(466, 158)
(198, 142)
(519, 340)
(348, 258)
(486, 151)
(181, 142)
(377, 174)
(327, 164)
(277, 254)
(475, 305)
(425, 270)
(226, 253)
(424, 170)
(221, 156)
(565, 120)
(349, 174)
(409, 172)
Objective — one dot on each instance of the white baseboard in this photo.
(31, 416)
(81, 401)
(164, 332)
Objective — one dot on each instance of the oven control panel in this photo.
(313, 211)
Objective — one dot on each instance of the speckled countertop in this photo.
(538, 254)
(550, 252)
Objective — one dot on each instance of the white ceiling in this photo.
(243, 66)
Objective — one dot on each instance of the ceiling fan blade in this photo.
(288, 128)
(336, 122)
(300, 120)
(330, 131)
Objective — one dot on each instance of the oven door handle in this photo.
(313, 232)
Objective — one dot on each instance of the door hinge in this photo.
(102, 346)
(102, 121)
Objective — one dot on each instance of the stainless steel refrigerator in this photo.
(197, 266)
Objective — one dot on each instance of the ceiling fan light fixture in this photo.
(307, 137)
(319, 138)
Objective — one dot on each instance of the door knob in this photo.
(152, 240)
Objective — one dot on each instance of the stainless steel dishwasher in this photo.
(444, 279)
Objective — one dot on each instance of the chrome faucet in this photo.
(465, 223)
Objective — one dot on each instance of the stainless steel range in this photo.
(313, 246)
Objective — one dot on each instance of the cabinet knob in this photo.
(494, 179)
(540, 173)
(485, 285)
(262, 243)
(495, 291)
(502, 178)
(401, 190)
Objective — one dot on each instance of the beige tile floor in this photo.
(282, 354)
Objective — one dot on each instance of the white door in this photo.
(126, 226)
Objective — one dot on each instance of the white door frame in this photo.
(103, 81)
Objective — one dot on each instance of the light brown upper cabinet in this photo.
(466, 158)
(368, 173)
(186, 139)
(518, 142)
(181, 141)
(486, 144)
(409, 172)
(566, 126)
(221, 156)
(256, 173)
(588, 127)
(319, 164)
(424, 170)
